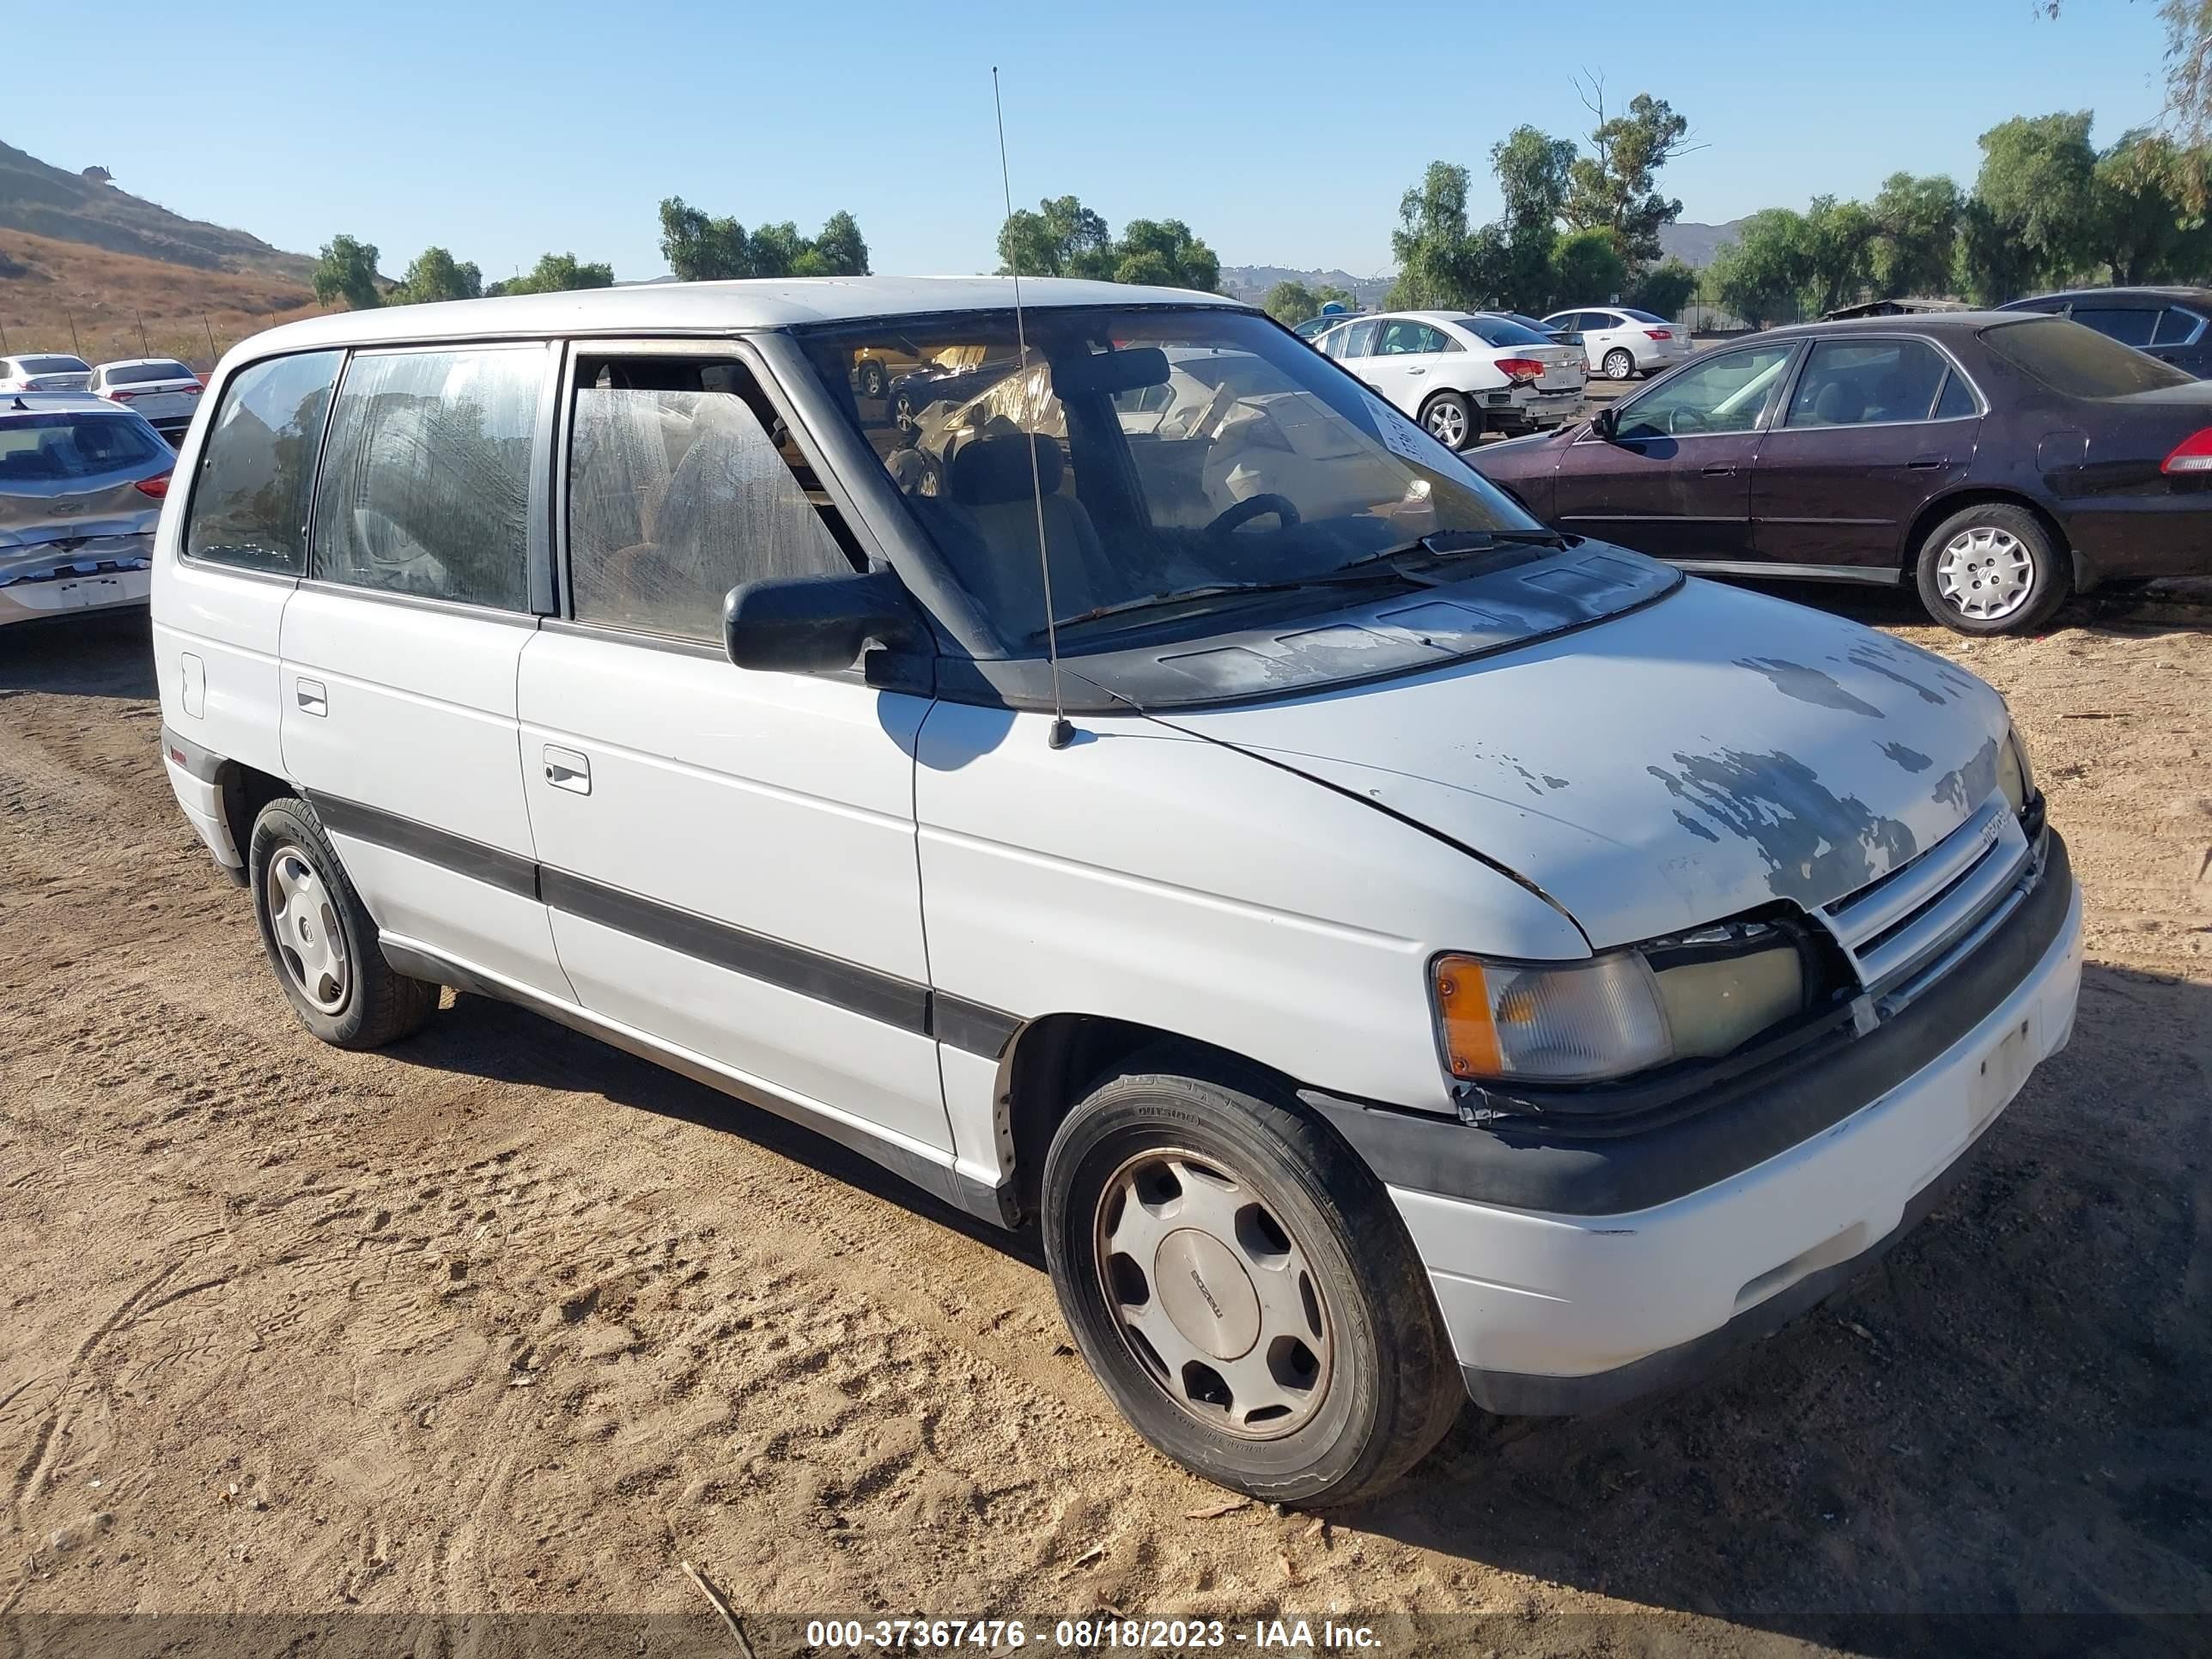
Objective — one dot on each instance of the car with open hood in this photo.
(1392, 951)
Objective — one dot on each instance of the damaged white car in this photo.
(1396, 953)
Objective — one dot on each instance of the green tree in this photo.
(433, 274)
(841, 250)
(1761, 275)
(2037, 189)
(1916, 231)
(1838, 239)
(1163, 252)
(699, 248)
(776, 250)
(1614, 188)
(1439, 262)
(347, 271)
(1587, 269)
(1290, 302)
(558, 273)
(1663, 289)
(1532, 170)
(1063, 238)
(2146, 229)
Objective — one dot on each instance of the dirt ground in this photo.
(502, 1319)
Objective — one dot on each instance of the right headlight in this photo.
(1615, 1014)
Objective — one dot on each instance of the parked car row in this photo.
(163, 389)
(1461, 373)
(1393, 952)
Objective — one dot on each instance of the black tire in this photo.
(1453, 412)
(377, 1005)
(874, 380)
(900, 410)
(1388, 1386)
(2051, 570)
(1620, 364)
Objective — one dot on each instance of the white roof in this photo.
(711, 308)
(141, 362)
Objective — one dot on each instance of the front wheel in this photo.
(1993, 569)
(1619, 364)
(319, 938)
(874, 381)
(1243, 1289)
(1451, 421)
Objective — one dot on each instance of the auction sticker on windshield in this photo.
(1400, 436)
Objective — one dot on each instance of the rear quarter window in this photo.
(249, 505)
(2077, 361)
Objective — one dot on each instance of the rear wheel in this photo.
(874, 381)
(1243, 1289)
(321, 939)
(1451, 421)
(1993, 569)
(1620, 364)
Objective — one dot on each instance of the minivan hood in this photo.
(1667, 769)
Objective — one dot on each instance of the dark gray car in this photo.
(2173, 325)
(81, 483)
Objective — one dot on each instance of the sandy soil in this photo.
(502, 1319)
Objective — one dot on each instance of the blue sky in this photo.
(1283, 134)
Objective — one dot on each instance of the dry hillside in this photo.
(51, 201)
(48, 286)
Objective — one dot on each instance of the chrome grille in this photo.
(1902, 931)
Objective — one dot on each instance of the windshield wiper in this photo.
(1371, 568)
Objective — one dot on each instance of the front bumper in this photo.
(1567, 1307)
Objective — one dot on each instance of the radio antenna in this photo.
(1063, 733)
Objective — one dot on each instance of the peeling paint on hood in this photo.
(1667, 767)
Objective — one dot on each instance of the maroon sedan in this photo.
(2000, 459)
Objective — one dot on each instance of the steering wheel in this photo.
(1251, 508)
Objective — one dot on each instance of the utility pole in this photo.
(212, 354)
(144, 351)
(75, 345)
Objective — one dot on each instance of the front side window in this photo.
(677, 494)
(1401, 338)
(2129, 325)
(249, 507)
(1862, 383)
(1176, 449)
(2077, 362)
(426, 487)
(1730, 392)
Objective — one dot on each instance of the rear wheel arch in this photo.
(1925, 522)
(245, 790)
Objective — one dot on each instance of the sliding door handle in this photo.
(311, 697)
(566, 769)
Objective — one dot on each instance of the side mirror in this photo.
(814, 624)
(1603, 424)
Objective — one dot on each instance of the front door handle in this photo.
(1927, 463)
(311, 697)
(565, 768)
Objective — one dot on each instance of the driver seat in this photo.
(990, 480)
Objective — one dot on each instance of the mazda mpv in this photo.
(1393, 952)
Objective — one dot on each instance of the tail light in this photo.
(117, 394)
(2192, 454)
(1659, 333)
(1520, 370)
(158, 488)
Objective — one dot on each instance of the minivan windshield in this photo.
(2078, 361)
(1183, 460)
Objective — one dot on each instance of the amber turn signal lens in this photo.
(1463, 1014)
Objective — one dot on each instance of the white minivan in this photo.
(1395, 952)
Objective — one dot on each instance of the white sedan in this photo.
(1460, 373)
(163, 389)
(1623, 342)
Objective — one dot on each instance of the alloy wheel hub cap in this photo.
(306, 928)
